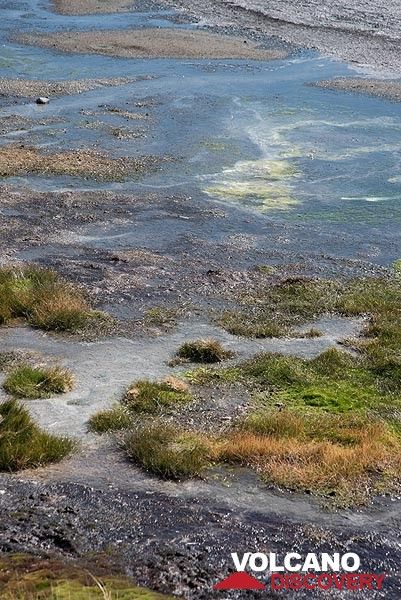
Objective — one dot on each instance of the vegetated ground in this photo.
(161, 273)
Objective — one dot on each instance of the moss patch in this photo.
(22, 444)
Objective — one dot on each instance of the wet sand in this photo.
(154, 43)
(390, 90)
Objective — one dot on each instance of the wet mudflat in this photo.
(259, 177)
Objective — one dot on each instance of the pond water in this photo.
(252, 134)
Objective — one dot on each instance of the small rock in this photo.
(42, 100)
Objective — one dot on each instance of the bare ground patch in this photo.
(153, 43)
(90, 7)
(28, 88)
(390, 90)
(23, 160)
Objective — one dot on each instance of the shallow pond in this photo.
(250, 133)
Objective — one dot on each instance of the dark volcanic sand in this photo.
(179, 546)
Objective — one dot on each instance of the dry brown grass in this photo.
(176, 384)
(52, 308)
(22, 160)
(365, 461)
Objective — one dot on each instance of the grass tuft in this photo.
(44, 299)
(22, 444)
(204, 351)
(151, 396)
(37, 382)
(167, 451)
(115, 419)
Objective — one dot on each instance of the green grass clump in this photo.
(25, 577)
(167, 451)
(204, 351)
(151, 396)
(38, 382)
(22, 444)
(115, 419)
(44, 300)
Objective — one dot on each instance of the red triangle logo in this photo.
(240, 581)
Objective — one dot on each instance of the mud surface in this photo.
(22, 160)
(136, 252)
(154, 43)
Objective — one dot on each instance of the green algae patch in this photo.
(25, 577)
(23, 444)
(262, 183)
(266, 197)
